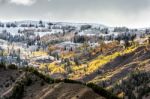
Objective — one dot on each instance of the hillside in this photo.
(88, 58)
(125, 71)
(111, 66)
(59, 91)
(28, 83)
(8, 78)
(137, 59)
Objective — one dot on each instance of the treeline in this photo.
(125, 37)
(8, 25)
(137, 82)
(4, 67)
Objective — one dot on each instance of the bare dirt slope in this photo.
(39, 89)
(8, 78)
(35, 87)
(60, 91)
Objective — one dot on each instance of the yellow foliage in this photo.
(80, 67)
(101, 60)
(53, 68)
(42, 66)
(84, 69)
(58, 70)
(67, 55)
(38, 53)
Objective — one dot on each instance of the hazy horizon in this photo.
(129, 13)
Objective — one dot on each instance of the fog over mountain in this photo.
(131, 13)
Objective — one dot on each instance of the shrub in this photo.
(28, 81)
(44, 77)
(71, 81)
(7, 85)
(2, 65)
(102, 91)
(12, 66)
(17, 91)
(42, 83)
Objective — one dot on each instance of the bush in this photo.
(7, 85)
(42, 83)
(28, 81)
(57, 80)
(17, 91)
(2, 65)
(44, 77)
(102, 91)
(72, 81)
(12, 66)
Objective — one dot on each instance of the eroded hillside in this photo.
(28, 83)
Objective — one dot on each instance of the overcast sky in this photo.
(131, 13)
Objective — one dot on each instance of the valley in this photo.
(116, 59)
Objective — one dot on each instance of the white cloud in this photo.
(23, 2)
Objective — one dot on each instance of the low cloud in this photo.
(23, 2)
(132, 13)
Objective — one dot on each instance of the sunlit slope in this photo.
(91, 66)
(122, 66)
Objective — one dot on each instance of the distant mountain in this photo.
(56, 23)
